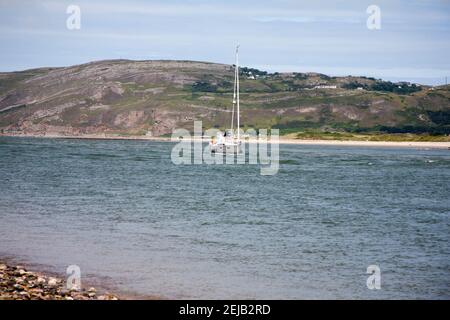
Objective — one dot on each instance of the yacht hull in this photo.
(226, 148)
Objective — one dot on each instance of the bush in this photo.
(300, 76)
(439, 117)
(203, 87)
(388, 86)
(247, 71)
(354, 85)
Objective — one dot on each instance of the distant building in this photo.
(325, 87)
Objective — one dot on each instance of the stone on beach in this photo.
(16, 283)
(52, 282)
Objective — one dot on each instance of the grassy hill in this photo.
(135, 97)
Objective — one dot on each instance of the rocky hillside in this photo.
(153, 97)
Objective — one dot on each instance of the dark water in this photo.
(124, 213)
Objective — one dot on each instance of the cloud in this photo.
(307, 19)
(325, 36)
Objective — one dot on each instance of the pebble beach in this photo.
(18, 283)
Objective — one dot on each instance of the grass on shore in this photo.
(347, 136)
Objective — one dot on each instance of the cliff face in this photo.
(154, 97)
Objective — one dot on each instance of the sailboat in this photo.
(230, 141)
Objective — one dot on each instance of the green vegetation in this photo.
(432, 130)
(201, 86)
(346, 136)
(384, 86)
(441, 117)
(10, 80)
(159, 96)
(388, 86)
(252, 72)
(300, 76)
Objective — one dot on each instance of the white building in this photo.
(325, 87)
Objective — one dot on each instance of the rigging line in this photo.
(234, 100)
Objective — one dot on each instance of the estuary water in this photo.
(129, 217)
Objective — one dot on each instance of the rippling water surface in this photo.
(124, 213)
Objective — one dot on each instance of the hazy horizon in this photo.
(393, 79)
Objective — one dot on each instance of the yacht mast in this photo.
(237, 92)
(234, 100)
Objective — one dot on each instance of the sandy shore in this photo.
(394, 144)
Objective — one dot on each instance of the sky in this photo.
(331, 37)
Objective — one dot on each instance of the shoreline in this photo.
(19, 283)
(28, 281)
(356, 143)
